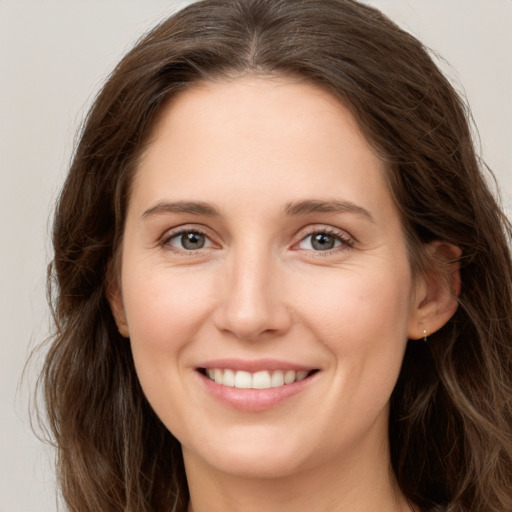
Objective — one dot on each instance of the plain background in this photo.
(54, 55)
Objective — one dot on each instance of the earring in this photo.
(425, 337)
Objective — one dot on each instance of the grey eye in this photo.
(189, 241)
(320, 242)
(192, 241)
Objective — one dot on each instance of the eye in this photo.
(323, 241)
(188, 241)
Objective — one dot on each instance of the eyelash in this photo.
(166, 240)
(345, 241)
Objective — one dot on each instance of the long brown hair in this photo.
(451, 411)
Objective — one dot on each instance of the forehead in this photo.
(285, 106)
(253, 129)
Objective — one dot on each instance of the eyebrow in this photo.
(331, 206)
(304, 207)
(191, 207)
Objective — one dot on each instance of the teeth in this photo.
(302, 374)
(243, 380)
(289, 377)
(277, 379)
(229, 378)
(259, 380)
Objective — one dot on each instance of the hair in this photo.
(451, 411)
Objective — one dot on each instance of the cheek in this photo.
(165, 310)
(352, 306)
(363, 321)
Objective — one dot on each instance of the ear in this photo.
(115, 300)
(437, 290)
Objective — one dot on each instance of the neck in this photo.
(353, 485)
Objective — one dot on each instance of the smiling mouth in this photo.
(264, 379)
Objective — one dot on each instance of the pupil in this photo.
(192, 241)
(322, 242)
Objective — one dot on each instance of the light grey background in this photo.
(54, 55)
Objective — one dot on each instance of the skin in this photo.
(249, 148)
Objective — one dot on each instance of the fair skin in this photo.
(261, 240)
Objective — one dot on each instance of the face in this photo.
(265, 284)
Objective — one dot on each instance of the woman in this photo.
(282, 281)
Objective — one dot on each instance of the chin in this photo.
(255, 459)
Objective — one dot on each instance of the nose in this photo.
(252, 304)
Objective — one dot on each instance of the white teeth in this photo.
(301, 375)
(277, 379)
(289, 377)
(243, 380)
(258, 380)
(261, 380)
(229, 378)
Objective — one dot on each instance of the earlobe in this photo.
(438, 292)
(115, 301)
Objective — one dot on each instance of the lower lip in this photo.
(254, 400)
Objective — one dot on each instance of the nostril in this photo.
(251, 313)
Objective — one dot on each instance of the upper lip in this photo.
(253, 365)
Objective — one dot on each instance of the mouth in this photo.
(263, 379)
